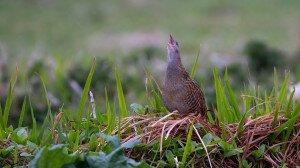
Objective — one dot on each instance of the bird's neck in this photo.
(174, 69)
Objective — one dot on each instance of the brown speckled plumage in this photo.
(180, 92)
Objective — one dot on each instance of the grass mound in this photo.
(256, 142)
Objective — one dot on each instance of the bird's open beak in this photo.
(171, 42)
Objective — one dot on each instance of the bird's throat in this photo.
(173, 70)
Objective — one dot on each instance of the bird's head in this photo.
(173, 51)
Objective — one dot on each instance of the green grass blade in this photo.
(246, 100)
(188, 147)
(22, 113)
(193, 72)
(288, 113)
(48, 115)
(232, 98)
(1, 118)
(283, 90)
(88, 120)
(281, 99)
(119, 124)
(275, 82)
(8, 103)
(110, 117)
(76, 143)
(218, 97)
(224, 112)
(288, 124)
(241, 125)
(84, 96)
(267, 104)
(121, 97)
(33, 134)
(9, 100)
(296, 110)
(108, 110)
(15, 153)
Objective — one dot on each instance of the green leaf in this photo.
(281, 99)
(8, 103)
(31, 146)
(246, 164)
(48, 115)
(84, 95)
(259, 152)
(6, 152)
(112, 139)
(234, 151)
(195, 65)
(170, 157)
(225, 146)
(1, 119)
(275, 82)
(188, 147)
(111, 122)
(116, 158)
(229, 150)
(137, 108)
(288, 107)
(54, 156)
(22, 133)
(224, 112)
(33, 135)
(93, 142)
(207, 138)
(237, 113)
(21, 119)
(121, 97)
(131, 144)
(288, 124)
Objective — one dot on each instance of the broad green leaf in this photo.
(137, 108)
(116, 158)
(22, 133)
(259, 152)
(170, 157)
(113, 139)
(54, 156)
(234, 151)
(131, 144)
(207, 138)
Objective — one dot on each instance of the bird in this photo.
(180, 92)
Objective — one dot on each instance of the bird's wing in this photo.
(194, 96)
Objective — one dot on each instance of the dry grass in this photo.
(256, 132)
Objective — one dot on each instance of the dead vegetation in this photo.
(254, 133)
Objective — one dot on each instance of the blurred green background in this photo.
(58, 39)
